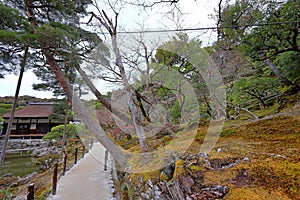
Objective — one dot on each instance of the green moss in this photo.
(19, 164)
(179, 168)
(267, 111)
(128, 191)
(255, 193)
(6, 193)
(41, 195)
(196, 168)
(164, 177)
(227, 133)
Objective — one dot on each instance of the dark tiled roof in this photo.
(32, 110)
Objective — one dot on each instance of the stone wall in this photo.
(14, 144)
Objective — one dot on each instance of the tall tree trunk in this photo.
(99, 96)
(65, 130)
(82, 111)
(79, 108)
(129, 93)
(111, 27)
(12, 113)
(278, 74)
(92, 87)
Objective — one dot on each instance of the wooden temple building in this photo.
(31, 121)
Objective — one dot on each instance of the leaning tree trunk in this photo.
(99, 96)
(12, 113)
(79, 108)
(136, 122)
(112, 29)
(82, 111)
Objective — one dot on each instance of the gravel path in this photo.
(87, 180)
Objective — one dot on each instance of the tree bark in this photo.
(65, 131)
(250, 113)
(79, 108)
(84, 114)
(99, 96)
(111, 27)
(139, 130)
(92, 87)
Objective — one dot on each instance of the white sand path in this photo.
(86, 180)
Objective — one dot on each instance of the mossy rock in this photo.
(179, 169)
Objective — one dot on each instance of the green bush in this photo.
(56, 133)
(176, 112)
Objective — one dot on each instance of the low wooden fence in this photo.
(30, 192)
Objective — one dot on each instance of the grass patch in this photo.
(267, 111)
(19, 164)
(227, 133)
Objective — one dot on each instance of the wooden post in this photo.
(30, 194)
(54, 180)
(76, 154)
(83, 151)
(65, 163)
(105, 162)
(91, 144)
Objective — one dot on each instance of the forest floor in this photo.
(253, 159)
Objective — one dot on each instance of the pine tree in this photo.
(56, 41)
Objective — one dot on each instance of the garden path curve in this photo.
(86, 180)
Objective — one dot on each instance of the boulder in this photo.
(6, 176)
(27, 178)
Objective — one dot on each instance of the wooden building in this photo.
(31, 121)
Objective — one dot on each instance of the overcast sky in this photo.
(196, 15)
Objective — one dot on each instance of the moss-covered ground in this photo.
(255, 159)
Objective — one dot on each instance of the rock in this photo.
(218, 191)
(112, 190)
(163, 186)
(111, 183)
(141, 179)
(149, 191)
(221, 189)
(45, 144)
(202, 155)
(186, 183)
(157, 193)
(34, 153)
(27, 178)
(149, 182)
(6, 176)
(188, 198)
(23, 197)
(168, 171)
(246, 159)
(277, 155)
(145, 196)
(156, 188)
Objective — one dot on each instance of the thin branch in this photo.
(156, 2)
